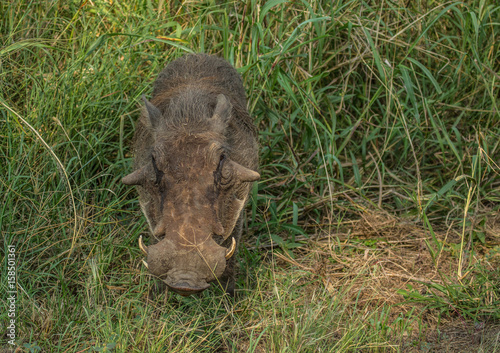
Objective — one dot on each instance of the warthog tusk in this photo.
(145, 264)
(230, 251)
(142, 246)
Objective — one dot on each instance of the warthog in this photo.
(195, 160)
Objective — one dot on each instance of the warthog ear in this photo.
(222, 112)
(153, 113)
(135, 178)
(245, 174)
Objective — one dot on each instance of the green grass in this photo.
(375, 226)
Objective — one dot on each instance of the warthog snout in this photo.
(186, 268)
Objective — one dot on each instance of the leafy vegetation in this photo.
(375, 226)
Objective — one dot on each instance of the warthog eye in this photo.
(158, 173)
(218, 171)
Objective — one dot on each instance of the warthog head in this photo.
(191, 191)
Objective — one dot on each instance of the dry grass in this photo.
(371, 262)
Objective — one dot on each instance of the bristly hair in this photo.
(192, 109)
(186, 92)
